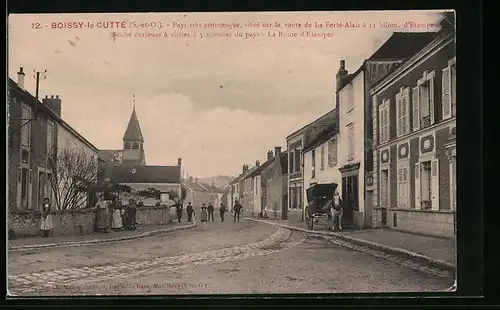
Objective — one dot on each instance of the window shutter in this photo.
(431, 100)
(30, 189)
(405, 187)
(381, 122)
(435, 184)
(446, 93)
(418, 204)
(19, 187)
(398, 114)
(387, 121)
(416, 109)
(406, 110)
(400, 189)
(330, 153)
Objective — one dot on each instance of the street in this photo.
(223, 258)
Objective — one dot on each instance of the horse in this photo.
(336, 214)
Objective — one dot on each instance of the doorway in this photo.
(350, 197)
(384, 188)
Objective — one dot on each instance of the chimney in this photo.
(277, 151)
(341, 74)
(53, 103)
(20, 78)
(257, 163)
(245, 168)
(269, 155)
(179, 161)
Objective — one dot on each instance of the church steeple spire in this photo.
(133, 133)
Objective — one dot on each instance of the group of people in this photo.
(113, 215)
(207, 212)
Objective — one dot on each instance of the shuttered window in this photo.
(384, 121)
(322, 157)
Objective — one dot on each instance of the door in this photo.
(368, 209)
(348, 189)
(284, 208)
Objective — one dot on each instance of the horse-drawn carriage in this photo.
(319, 200)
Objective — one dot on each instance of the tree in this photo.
(73, 176)
(150, 193)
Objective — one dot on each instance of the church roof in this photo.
(145, 174)
(133, 131)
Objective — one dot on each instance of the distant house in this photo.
(36, 134)
(246, 188)
(275, 181)
(257, 188)
(321, 159)
(198, 193)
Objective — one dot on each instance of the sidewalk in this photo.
(142, 231)
(437, 249)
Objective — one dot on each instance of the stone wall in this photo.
(425, 222)
(78, 222)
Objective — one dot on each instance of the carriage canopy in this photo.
(317, 191)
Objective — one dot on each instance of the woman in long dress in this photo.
(46, 223)
(117, 222)
(204, 215)
(102, 215)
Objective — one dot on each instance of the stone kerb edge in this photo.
(419, 258)
(103, 241)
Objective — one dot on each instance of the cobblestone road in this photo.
(246, 258)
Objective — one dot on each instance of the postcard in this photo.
(231, 153)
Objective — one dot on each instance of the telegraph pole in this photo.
(36, 76)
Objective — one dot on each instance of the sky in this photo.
(217, 103)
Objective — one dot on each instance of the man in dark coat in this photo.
(179, 207)
(189, 211)
(222, 210)
(210, 210)
(237, 210)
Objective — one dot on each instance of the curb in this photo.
(418, 258)
(102, 241)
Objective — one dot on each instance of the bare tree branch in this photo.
(74, 173)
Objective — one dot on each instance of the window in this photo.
(297, 160)
(384, 121)
(51, 137)
(384, 188)
(423, 101)
(332, 152)
(322, 163)
(350, 147)
(403, 192)
(291, 166)
(299, 197)
(448, 87)
(350, 99)
(402, 112)
(313, 164)
(26, 126)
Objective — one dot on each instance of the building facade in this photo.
(414, 127)
(355, 111)
(37, 133)
(275, 182)
(321, 160)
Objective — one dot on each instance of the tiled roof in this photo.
(322, 137)
(194, 186)
(402, 45)
(145, 174)
(322, 119)
(259, 170)
(318, 126)
(133, 131)
(107, 155)
(399, 47)
(31, 100)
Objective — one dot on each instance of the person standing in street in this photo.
(102, 215)
(203, 217)
(222, 211)
(189, 211)
(237, 209)
(116, 222)
(210, 210)
(179, 208)
(46, 225)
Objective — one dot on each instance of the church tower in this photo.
(133, 141)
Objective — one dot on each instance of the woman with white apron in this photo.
(117, 222)
(46, 224)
